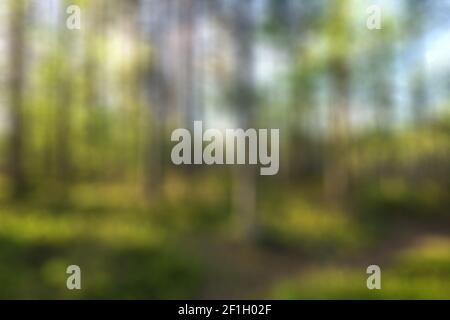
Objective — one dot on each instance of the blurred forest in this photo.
(85, 170)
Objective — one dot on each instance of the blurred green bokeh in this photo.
(86, 176)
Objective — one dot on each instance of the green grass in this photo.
(122, 254)
(422, 272)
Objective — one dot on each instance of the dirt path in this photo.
(239, 271)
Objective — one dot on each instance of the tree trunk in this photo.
(244, 177)
(16, 141)
(336, 169)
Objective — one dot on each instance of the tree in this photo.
(336, 170)
(243, 97)
(416, 20)
(17, 52)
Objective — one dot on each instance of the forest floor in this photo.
(240, 271)
(185, 249)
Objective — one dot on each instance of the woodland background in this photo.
(85, 170)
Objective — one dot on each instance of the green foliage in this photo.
(421, 272)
